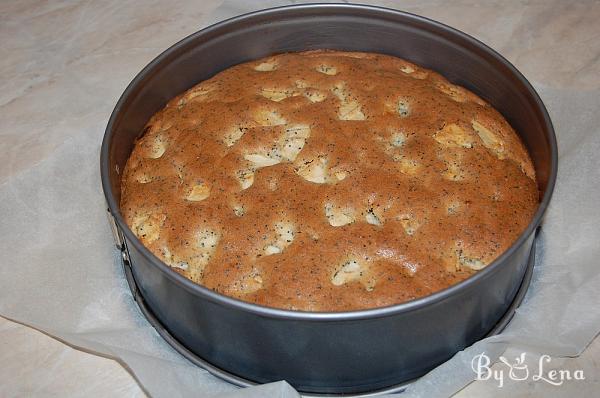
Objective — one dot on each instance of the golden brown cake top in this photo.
(328, 181)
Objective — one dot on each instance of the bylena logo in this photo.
(518, 370)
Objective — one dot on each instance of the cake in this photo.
(328, 181)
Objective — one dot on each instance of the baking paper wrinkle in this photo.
(60, 272)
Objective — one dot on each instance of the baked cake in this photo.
(328, 181)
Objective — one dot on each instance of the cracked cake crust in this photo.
(328, 181)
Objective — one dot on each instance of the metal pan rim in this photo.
(405, 307)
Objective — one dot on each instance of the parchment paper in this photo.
(60, 273)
